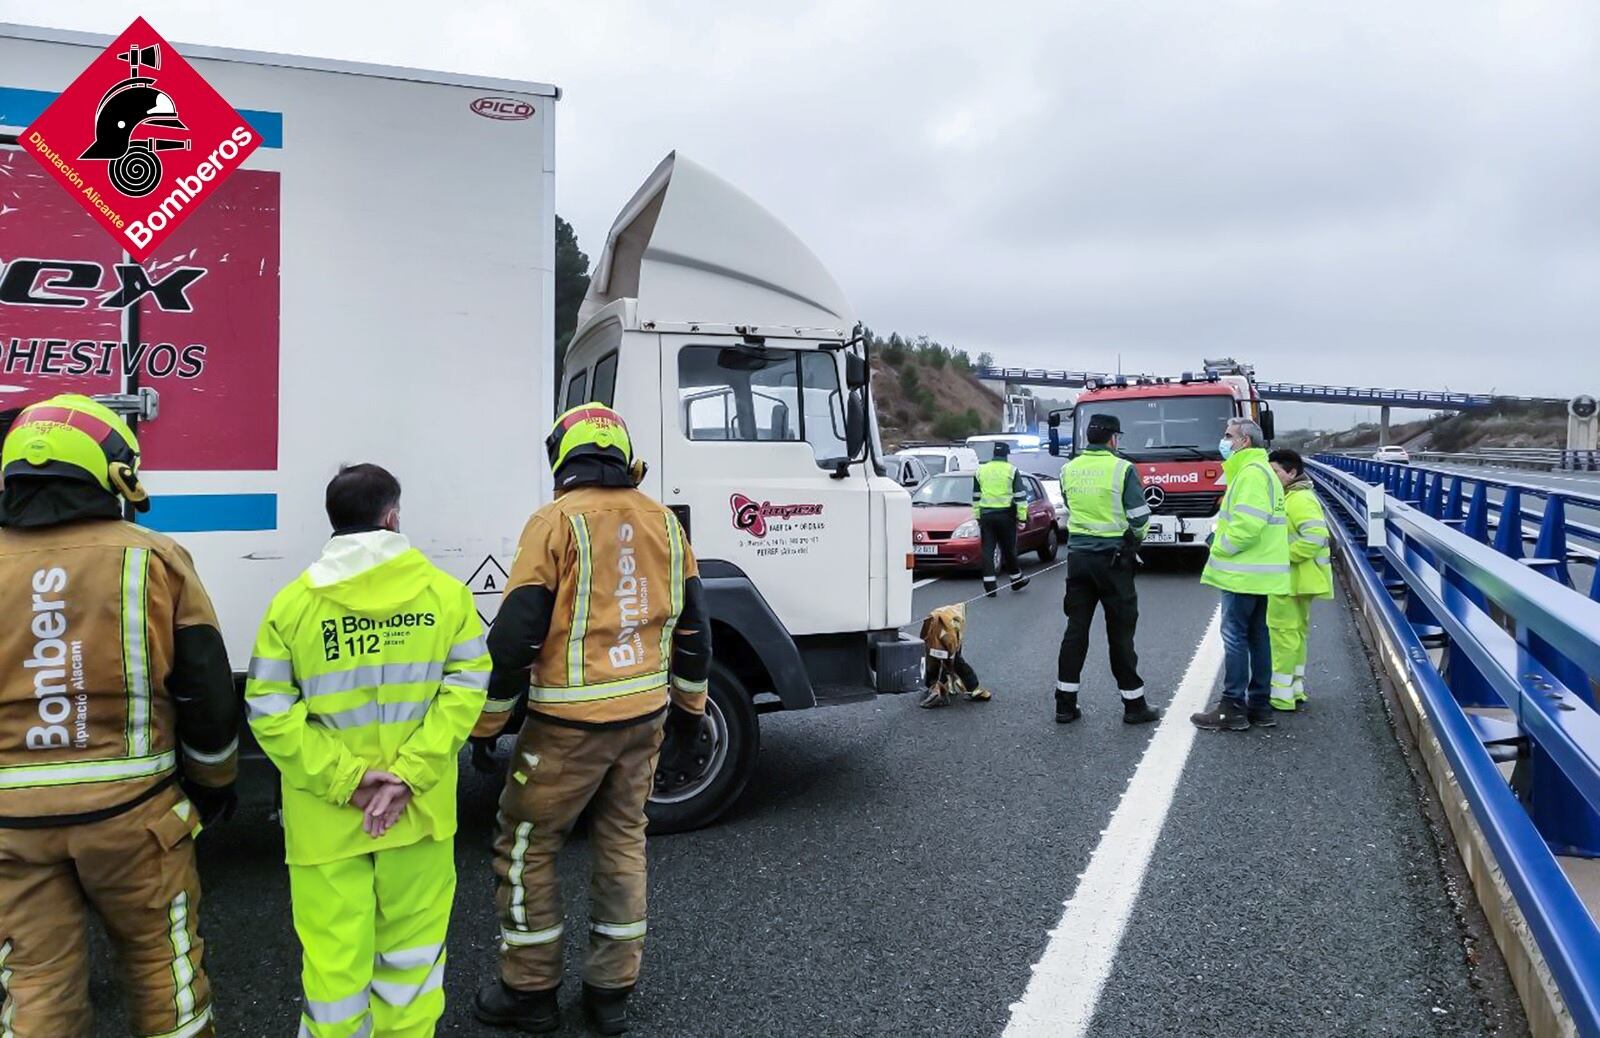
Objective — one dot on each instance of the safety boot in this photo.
(1224, 717)
(1137, 711)
(1067, 707)
(1019, 582)
(1264, 717)
(607, 1008)
(532, 1012)
(991, 588)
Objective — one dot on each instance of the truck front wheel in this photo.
(735, 739)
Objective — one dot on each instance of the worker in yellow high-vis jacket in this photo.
(368, 674)
(1310, 575)
(603, 628)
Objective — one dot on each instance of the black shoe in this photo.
(1224, 717)
(1018, 583)
(534, 1012)
(1265, 717)
(1067, 707)
(1137, 711)
(607, 1008)
(990, 592)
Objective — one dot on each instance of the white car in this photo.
(943, 459)
(1394, 453)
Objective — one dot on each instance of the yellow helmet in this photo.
(589, 429)
(72, 437)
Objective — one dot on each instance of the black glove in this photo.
(685, 748)
(215, 803)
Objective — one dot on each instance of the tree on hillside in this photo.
(572, 283)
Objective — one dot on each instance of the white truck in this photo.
(377, 283)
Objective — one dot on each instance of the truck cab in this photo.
(732, 355)
(1170, 431)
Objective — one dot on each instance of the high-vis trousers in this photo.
(137, 872)
(1288, 623)
(555, 773)
(372, 930)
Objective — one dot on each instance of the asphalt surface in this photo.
(896, 871)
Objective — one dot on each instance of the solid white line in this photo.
(924, 582)
(1065, 988)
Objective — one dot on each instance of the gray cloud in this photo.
(1361, 191)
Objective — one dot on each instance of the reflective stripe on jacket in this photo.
(1250, 546)
(111, 670)
(1101, 501)
(373, 659)
(996, 486)
(1310, 560)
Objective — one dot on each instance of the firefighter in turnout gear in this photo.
(603, 628)
(1310, 576)
(1106, 522)
(118, 733)
(369, 671)
(1001, 506)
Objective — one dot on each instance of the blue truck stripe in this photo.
(206, 513)
(20, 107)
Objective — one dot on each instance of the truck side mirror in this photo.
(855, 372)
(1055, 435)
(1267, 423)
(855, 425)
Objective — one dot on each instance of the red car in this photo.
(944, 533)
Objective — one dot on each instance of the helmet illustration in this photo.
(592, 430)
(132, 103)
(72, 437)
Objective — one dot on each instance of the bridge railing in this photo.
(1503, 662)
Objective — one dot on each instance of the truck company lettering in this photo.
(752, 516)
(89, 357)
(1164, 478)
(633, 603)
(74, 283)
(49, 660)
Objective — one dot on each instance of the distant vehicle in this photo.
(1395, 453)
(944, 533)
(948, 458)
(1047, 468)
(983, 445)
(906, 470)
(1170, 431)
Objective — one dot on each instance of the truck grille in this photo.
(1194, 505)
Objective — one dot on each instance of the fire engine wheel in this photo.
(735, 739)
(1052, 544)
(136, 173)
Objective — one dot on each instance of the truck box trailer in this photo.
(376, 283)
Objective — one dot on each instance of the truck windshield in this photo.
(756, 394)
(948, 489)
(1162, 426)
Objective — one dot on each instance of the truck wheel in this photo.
(1052, 544)
(736, 737)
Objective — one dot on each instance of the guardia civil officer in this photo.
(1001, 505)
(1106, 522)
(603, 628)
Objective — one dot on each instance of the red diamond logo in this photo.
(140, 139)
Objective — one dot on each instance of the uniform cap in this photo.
(1104, 423)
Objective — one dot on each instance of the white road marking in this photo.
(1065, 988)
(924, 582)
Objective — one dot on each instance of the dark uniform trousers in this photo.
(999, 526)
(1102, 578)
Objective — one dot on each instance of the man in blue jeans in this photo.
(1249, 561)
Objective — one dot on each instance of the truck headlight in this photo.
(966, 530)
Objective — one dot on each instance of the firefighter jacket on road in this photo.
(373, 658)
(113, 671)
(604, 603)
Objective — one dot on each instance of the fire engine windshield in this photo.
(1165, 427)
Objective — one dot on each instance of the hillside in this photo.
(926, 391)
(1504, 425)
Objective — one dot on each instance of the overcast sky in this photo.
(1394, 192)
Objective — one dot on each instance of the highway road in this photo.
(900, 872)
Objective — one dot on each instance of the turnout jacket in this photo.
(112, 672)
(603, 621)
(372, 659)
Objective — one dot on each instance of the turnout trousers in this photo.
(1288, 625)
(998, 528)
(137, 871)
(556, 772)
(372, 931)
(1105, 579)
